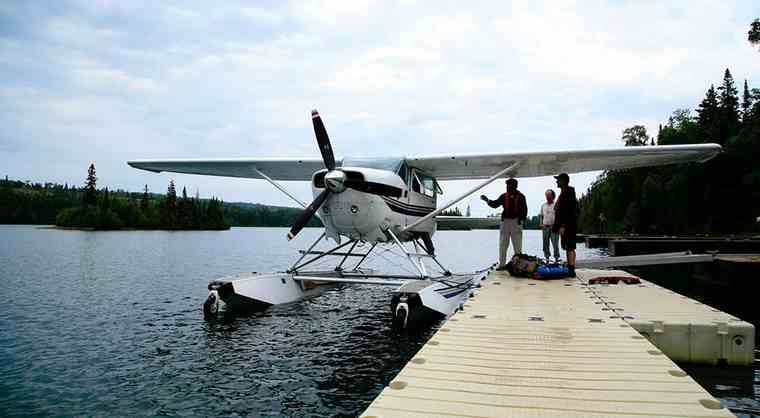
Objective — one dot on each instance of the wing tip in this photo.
(137, 165)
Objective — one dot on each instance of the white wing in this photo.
(535, 164)
(275, 168)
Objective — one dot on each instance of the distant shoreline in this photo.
(73, 228)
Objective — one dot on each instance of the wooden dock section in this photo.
(530, 348)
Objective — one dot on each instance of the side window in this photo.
(416, 184)
(424, 184)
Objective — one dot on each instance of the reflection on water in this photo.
(104, 323)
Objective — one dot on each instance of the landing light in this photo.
(354, 209)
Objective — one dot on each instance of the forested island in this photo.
(23, 202)
(721, 196)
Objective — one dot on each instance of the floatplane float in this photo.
(382, 202)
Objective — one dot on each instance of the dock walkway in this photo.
(530, 348)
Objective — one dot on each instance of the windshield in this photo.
(389, 164)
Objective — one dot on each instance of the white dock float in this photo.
(531, 348)
(684, 329)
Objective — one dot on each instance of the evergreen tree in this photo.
(184, 210)
(746, 102)
(90, 188)
(170, 206)
(144, 200)
(171, 196)
(728, 102)
(708, 117)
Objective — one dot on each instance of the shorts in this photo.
(568, 239)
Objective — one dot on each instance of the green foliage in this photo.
(728, 107)
(680, 129)
(746, 102)
(531, 222)
(635, 136)
(753, 36)
(28, 203)
(721, 196)
(452, 212)
(248, 214)
(90, 188)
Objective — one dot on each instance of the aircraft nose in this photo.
(335, 181)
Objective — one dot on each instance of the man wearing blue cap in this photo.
(565, 221)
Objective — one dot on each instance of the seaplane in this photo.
(366, 204)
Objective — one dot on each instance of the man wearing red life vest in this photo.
(512, 219)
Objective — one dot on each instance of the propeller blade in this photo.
(378, 189)
(323, 141)
(307, 213)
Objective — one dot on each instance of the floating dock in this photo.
(567, 348)
(625, 245)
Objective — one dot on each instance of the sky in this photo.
(109, 81)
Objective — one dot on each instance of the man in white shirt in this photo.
(546, 222)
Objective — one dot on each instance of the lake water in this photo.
(110, 323)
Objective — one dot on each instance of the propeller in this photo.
(323, 141)
(336, 180)
(307, 213)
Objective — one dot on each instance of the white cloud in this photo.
(111, 81)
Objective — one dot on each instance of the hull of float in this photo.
(244, 293)
(421, 302)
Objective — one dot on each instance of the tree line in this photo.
(101, 209)
(90, 207)
(720, 196)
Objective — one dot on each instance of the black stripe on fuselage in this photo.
(408, 205)
(404, 209)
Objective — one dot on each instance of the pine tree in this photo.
(90, 188)
(728, 102)
(144, 200)
(171, 195)
(746, 102)
(171, 205)
(707, 118)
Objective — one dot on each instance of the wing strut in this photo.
(279, 187)
(467, 193)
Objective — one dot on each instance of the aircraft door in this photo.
(422, 194)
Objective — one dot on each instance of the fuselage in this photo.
(364, 216)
